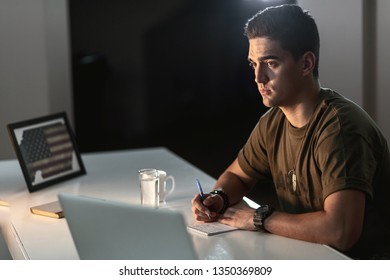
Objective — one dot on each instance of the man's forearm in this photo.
(233, 186)
(336, 225)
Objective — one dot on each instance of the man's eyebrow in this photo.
(266, 57)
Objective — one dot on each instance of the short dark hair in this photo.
(294, 28)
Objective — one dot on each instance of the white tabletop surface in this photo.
(113, 176)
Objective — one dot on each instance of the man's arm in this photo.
(234, 182)
(338, 225)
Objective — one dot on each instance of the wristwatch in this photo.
(262, 213)
(225, 199)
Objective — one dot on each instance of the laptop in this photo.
(109, 230)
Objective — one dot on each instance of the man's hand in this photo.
(208, 210)
(239, 216)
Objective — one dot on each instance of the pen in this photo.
(201, 193)
(200, 189)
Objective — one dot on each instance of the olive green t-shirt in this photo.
(340, 148)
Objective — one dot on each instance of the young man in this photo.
(328, 160)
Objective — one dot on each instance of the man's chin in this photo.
(266, 102)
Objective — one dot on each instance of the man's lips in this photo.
(264, 91)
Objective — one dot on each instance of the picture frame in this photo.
(46, 150)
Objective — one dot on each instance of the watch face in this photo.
(261, 214)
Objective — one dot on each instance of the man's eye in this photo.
(252, 65)
(271, 64)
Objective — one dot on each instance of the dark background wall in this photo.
(164, 73)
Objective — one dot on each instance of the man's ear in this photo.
(309, 62)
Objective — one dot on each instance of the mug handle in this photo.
(172, 185)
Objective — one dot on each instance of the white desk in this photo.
(113, 175)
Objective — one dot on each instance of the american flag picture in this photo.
(47, 149)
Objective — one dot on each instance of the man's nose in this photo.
(261, 74)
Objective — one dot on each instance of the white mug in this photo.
(149, 187)
(163, 190)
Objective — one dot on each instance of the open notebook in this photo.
(104, 229)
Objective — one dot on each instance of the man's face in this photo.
(277, 74)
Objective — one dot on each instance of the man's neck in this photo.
(299, 114)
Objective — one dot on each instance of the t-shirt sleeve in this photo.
(346, 161)
(252, 158)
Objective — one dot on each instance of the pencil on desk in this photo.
(4, 203)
